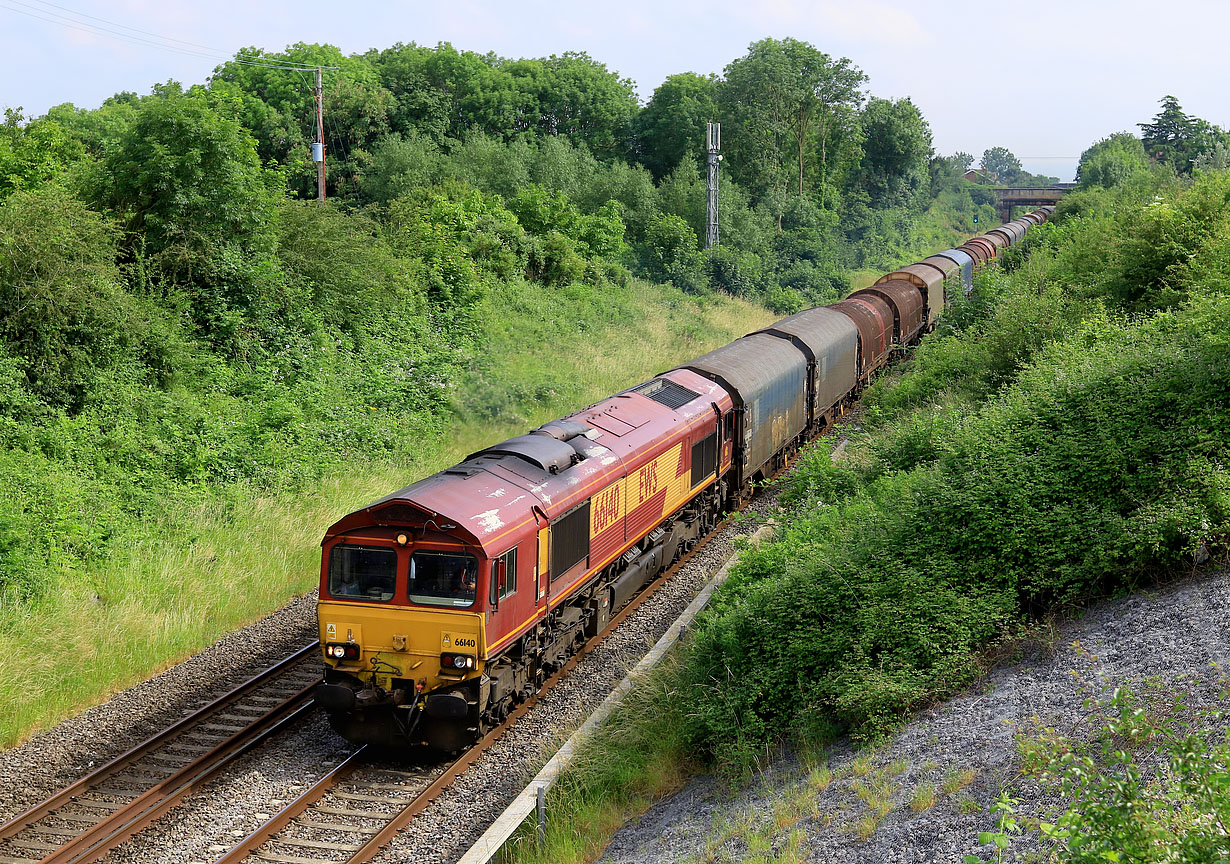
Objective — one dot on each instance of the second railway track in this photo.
(83, 821)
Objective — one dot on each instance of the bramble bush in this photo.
(1098, 460)
(1147, 788)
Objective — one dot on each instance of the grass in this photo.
(924, 797)
(819, 778)
(638, 756)
(164, 597)
(957, 780)
(207, 565)
(866, 826)
(860, 279)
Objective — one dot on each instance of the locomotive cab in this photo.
(401, 619)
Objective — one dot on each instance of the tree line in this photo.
(1173, 142)
(819, 176)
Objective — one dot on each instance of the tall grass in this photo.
(211, 562)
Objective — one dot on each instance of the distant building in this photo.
(981, 175)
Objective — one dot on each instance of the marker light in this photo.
(457, 661)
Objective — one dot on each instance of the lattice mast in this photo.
(713, 143)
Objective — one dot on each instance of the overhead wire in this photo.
(205, 52)
(117, 24)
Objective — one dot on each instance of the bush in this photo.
(737, 273)
(1120, 804)
(670, 254)
(64, 314)
(1104, 461)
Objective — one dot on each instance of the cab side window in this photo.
(509, 560)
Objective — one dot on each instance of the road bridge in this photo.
(1007, 197)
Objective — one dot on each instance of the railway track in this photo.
(352, 811)
(82, 822)
(348, 815)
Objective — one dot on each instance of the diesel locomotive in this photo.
(447, 603)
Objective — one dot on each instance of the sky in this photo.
(1045, 79)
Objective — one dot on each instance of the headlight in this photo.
(456, 661)
(347, 650)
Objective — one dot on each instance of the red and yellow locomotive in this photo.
(445, 604)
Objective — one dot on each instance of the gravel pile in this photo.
(1174, 640)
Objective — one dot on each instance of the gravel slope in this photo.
(1175, 639)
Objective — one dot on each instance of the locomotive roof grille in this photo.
(666, 392)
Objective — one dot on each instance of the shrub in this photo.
(670, 253)
(1103, 461)
(64, 314)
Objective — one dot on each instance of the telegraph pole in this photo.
(713, 142)
(318, 147)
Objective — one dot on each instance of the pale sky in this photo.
(1043, 78)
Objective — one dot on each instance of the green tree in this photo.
(1217, 159)
(184, 179)
(422, 105)
(786, 101)
(673, 123)
(1000, 162)
(1177, 139)
(101, 128)
(672, 253)
(896, 147)
(278, 106)
(399, 165)
(1112, 161)
(33, 153)
(63, 312)
(578, 98)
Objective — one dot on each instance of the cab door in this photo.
(542, 570)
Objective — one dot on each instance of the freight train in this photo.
(447, 603)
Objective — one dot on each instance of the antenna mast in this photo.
(713, 141)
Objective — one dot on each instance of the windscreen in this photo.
(443, 578)
(362, 573)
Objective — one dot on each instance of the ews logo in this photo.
(647, 482)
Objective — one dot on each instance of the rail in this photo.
(88, 818)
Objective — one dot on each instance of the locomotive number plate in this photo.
(458, 641)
